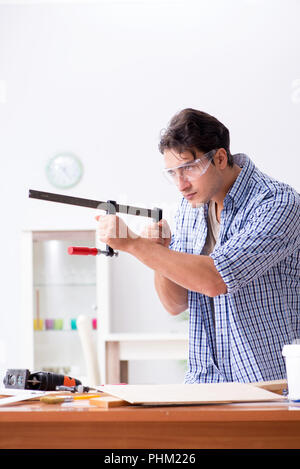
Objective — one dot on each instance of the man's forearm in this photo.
(173, 297)
(195, 273)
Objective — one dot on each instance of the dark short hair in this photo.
(191, 129)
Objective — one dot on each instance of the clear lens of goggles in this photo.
(189, 171)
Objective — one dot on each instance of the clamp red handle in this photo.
(82, 251)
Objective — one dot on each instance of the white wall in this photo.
(101, 79)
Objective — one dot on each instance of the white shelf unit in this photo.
(56, 289)
(122, 335)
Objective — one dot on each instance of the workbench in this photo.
(253, 425)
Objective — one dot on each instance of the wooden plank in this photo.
(277, 386)
(206, 393)
(108, 402)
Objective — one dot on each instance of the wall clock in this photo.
(64, 170)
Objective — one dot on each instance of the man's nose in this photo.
(182, 182)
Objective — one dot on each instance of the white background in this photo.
(101, 79)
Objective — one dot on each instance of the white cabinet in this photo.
(131, 333)
(57, 289)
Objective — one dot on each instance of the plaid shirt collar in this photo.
(238, 191)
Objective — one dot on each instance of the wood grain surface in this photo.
(260, 425)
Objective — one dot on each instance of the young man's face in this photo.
(197, 184)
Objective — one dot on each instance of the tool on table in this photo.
(103, 400)
(110, 207)
(60, 399)
(40, 381)
(79, 388)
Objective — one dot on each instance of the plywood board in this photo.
(207, 393)
(108, 402)
(278, 386)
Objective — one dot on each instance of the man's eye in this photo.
(171, 173)
(186, 169)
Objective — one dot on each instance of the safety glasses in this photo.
(189, 171)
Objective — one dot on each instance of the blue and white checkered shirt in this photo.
(257, 255)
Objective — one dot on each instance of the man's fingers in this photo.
(165, 229)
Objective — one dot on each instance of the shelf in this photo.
(144, 337)
(49, 331)
(40, 285)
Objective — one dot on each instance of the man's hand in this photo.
(159, 233)
(188, 271)
(112, 230)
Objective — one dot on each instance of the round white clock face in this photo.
(64, 170)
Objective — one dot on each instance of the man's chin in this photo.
(197, 202)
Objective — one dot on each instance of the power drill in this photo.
(39, 381)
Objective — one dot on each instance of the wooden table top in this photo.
(253, 425)
(80, 410)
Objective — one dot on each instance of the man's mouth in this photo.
(190, 196)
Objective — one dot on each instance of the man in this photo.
(233, 258)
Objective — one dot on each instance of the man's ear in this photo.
(220, 158)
